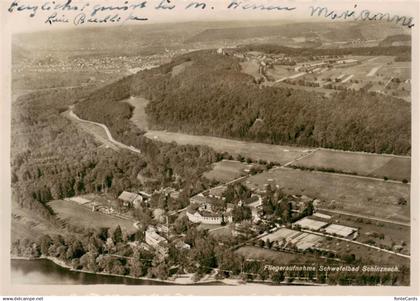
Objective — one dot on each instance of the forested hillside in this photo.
(212, 96)
(52, 158)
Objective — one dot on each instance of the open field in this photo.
(251, 68)
(374, 165)
(72, 213)
(372, 197)
(227, 170)
(368, 255)
(139, 115)
(276, 257)
(326, 92)
(396, 168)
(381, 234)
(26, 224)
(255, 151)
(365, 70)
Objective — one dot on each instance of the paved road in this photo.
(385, 220)
(108, 133)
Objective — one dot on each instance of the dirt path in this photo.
(108, 133)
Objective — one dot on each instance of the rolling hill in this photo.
(211, 96)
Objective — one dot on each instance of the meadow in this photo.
(364, 164)
(227, 170)
(79, 215)
(373, 197)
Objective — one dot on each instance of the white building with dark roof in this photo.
(156, 241)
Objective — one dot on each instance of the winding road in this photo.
(108, 133)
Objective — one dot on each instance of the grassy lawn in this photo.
(362, 164)
(227, 170)
(251, 68)
(26, 224)
(256, 151)
(359, 195)
(396, 168)
(366, 254)
(78, 215)
(139, 117)
(276, 257)
(392, 233)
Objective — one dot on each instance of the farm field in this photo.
(374, 165)
(377, 72)
(227, 170)
(372, 197)
(78, 215)
(255, 151)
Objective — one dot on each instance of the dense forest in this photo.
(213, 97)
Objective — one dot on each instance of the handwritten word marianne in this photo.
(364, 15)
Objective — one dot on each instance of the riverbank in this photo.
(49, 270)
(185, 280)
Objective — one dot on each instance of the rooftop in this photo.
(340, 230)
(310, 223)
(130, 197)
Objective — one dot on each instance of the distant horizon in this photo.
(241, 23)
(21, 22)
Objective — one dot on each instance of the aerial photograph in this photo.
(223, 153)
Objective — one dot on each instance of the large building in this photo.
(156, 241)
(202, 210)
(208, 217)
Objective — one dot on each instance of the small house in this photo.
(130, 199)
